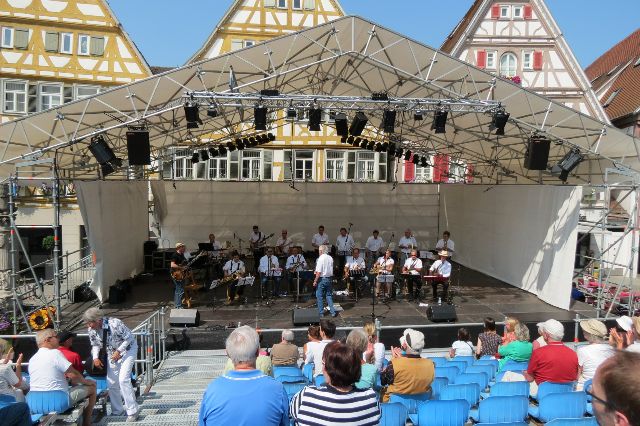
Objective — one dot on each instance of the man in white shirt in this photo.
(319, 239)
(256, 242)
(446, 243)
(270, 270)
(314, 353)
(411, 271)
(235, 267)
(283, 245)
(295, 263)
(442, 268)
(406, 244)
(215, 244)
(373, 247)
(355, 272)
(385, 275)
(49, 369)
(344, 245)
(322, 281)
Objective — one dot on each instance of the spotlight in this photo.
(271, 137)
(342, 125)
(351, 140)
(498, 121)
(418, 116)
(379, 96)
(204, 155)
(415, 160)
(106, 169)
(440, 121)
(344, 139)
(231, 147)
(260, 118)
(240, 144)
(356, 141)
(407, 155)
(262, 139)
(423, 162)
(270, 92)
(101, 150)
(315, 116)
(398, 153)
(385, 146)
(371, 145)
(192, 115)
(222, 150)
(364, 143)
(195, 158)
(567, 164)
(389, 120)
(213, 152)
(378, 147)
(358, 123)
(292, 113)
(253, 141)
(212, 111)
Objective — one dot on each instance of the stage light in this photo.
(358, 123)
(315, 117)
(498, 121)
(107, 169)
(292, 113)
(418, 115)
(212, 111)
(204, 155)
(192, 115)
(213, 152)
(423, 162)
(364, 143)
(262, 139)
(270, 92)
(342, 124)
(351, 140)
(252, 141)
(569, 162)
(344, 139)
(271, 137)
(378, 147)
(101, 150)
(231, 147)
(222, 150)
(260, 118)
(415, 160)
(389, 120)
(355, 141)
(371, 145)
(240, 144)
(440, 121)
(407, 155)
(385, 146)
(195, 158)
(398, 153)
(379, 96)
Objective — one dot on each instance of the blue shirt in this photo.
(244, 398)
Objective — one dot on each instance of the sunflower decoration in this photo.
(42, 318)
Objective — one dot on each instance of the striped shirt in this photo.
(324, 405)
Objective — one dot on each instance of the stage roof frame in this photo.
(348, 57)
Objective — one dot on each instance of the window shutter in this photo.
(495, 11)
(537, 60)
(51, 41)
(32, 98)
(481, 58)
(97, 46)
(409, 170)
(267, 164)
(269, 3)
(440, 168)
(469, 173)
(527, 11)
(21, 38)
(67, 92)
(309, 4)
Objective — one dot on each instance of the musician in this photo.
(234, 266)
(385, 274)
(283, 245)
(215, 244)
(178, 261)
(441, 268)
(446, 244)
(295, 263)
(344, 245)
(269, 269)
(319, 239)
(411, 271)
(355, 270)
(373, 247)
(406, 244)
(256, 242)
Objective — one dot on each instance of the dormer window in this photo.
(282, 4)
(505, 12)
(517, 12)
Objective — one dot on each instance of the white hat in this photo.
(625, 323)
(443, 253)
(413, 338)
(594, 327)
(553, 327)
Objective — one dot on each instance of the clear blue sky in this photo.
(168, 32)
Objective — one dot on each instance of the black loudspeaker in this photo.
(537, 154)
(184, 317)
(82, 293)
(307, 316)
(358, 124)
(150, 246)
(260, 118)
(315, 117)
(442, 313)
(389, 120)
(116, 295)
(101, 150)
(342, 125)
(138, 148)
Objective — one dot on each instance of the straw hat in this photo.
(443, 253)
(636, 324)
(594, 327)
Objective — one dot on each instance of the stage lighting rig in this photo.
(569, 162)
(351, 140)
(251, 141)
(212, 111)
(499, 121)
(415, 160)
(378, 147)
(342, 124)
(440, 121)
(222, 150)
(423, 162)
(418, 115)
(292, 114)
(407, 155)
(239, 144)
(192, 115)
(231, 147)
(271, 137)
(379, 96)
(371, 145)
(213, 152)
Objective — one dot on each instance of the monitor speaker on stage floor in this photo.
(537, 154)
(184, 317)
(138, 148)
(442, 313)
(307, 316)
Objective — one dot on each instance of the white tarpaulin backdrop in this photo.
(523, 235)
(116, 219)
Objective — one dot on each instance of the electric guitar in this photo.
(180, 273)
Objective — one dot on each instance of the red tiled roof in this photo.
(620, 59)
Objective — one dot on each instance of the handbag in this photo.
(92, 370)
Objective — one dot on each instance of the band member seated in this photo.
(441, 268)
(295, 263)
(446, 244)
(344, 245)
(406, 244)
(384, 267)
(283, 245)
(319, 239)
(355, 271)
(214, 244)
(269, 269)
(411, 271)
(234, 268)
(256, 242)
(178, 261)
(373, 248)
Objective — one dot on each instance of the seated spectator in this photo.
(539, 342)
(313, 337)
(576, 294)
(374, 347)
(622, 336)
(595, 353)
(16, 415)
(49, 370)
(285, 352)
(519, 350)
(245, 395)
(409, 373)
(635, 346)
(509, 330)
(66, 341)
(341, 401)
(462, 346)
(263, 362)
(11, 383)
(488, 341)
(358, 340)
(314, 353)
(616, 390)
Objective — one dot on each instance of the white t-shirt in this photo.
(320, 240)
(232, 266)
(407, 244)
(416, 264)
(384, 263)
(443, 267)
(297, 259)
(324, 265)
(463, 348)
(450, 245)
(374, 244)
(590, 357)
(8, 379)
(634, 347)
(314, 355)
(285, 244)
(46, 369)
(354, 264)
(268, 263)
(344, 244)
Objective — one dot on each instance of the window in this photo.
(85, 249)
(423, 174)
(282, 4)
(269, 3)
(236, 45)
(251, 165)
(66, 43)
(611, 98)
(50, 96)
(218, 168)
(96, 46)
(7, 37)
(86, 91)
(15, 96)
(457, 171)
(505, 12)
(491, 59)
(303, 165)
(83, 44)
(182, 164)
(527, 60)
(297, 4)
(249, 43)
(335, 164)
(508, 65)
(310, 4)
(517, 12)
(366, 166)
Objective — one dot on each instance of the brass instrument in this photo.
(231, 278)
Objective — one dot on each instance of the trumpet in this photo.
(230, 278)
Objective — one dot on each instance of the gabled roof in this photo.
(461, 28)
(618, 70)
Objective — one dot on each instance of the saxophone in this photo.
(376, 269)
(230, 278)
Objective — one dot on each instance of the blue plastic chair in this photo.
(468, 359)
(44, 402)
(481, 379)
(508, 389)
(470, 392)
(293, 388)
(411, 402)
(503, 424)
(483, 357)
(393, 414)
(437, 385)
(101, 383)
(307, 372)
(443, 413)
(489, 369)
(585, 421)
(501, 409)
(291, 379)
(546, 388)
(560, 406)
(515, 366)
(319, 380)
(450, 373)
(587, 387)
(488, 361)
(461, 365)
(439, 361)
(286, 371)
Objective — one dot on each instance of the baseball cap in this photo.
(625, 322)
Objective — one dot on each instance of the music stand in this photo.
(214, 284)
(245, 282)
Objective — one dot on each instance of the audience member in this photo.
(11, 383)
(623, 336)
(375, 347)
(509, 330)
(263, 362)
(519, 350)
(462, 346)
(340, 401)
(245, 395)
(66, 342)
(576, 294)
(409, 373)
(285, 352)
(49, 370)
(539, 342)
(635, 346)
(358, 340)
(616, 390)
(16, 415)
(488, 340)
(314, 353)
(595, 353)
(313, 337)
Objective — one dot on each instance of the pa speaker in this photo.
(101, 150)
(342, 126)
(389, 120)
(537, 154)
(260, 118)
(358, 123)
(442, 313)
(184, 317)
(308, 316)
(138, 148)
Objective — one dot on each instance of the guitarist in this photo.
(178, 262)
(257, 240)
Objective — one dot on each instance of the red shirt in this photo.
(553, 363)
(73, 358)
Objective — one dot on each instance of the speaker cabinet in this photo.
(442, 313)
(184, 317)
(389, 120)
(101, 150)
(138, 148)
(358, 124)
(537, 155)
(308, 316)
(342, 125)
